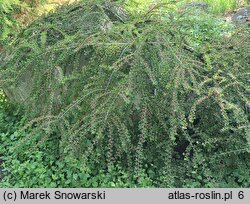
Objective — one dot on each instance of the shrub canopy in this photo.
(167, 94)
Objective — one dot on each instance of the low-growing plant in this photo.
(117, 100)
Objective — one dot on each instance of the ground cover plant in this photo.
(117, 98)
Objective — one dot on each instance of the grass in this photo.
(215, 6)
(222, 6)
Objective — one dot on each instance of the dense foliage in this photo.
(6, 19)
(9, 10)
(126, 100)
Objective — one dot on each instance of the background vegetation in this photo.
(16, 14)
(222, 6)
(121, 97)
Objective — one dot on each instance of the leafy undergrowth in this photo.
(117, 100)
(43, 167)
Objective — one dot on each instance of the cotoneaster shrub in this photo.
(161, 100)
(41, 167)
